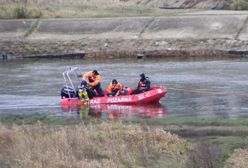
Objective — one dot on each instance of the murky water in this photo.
(196, 89)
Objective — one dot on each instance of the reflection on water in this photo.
(113, 111)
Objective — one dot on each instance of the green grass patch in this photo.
(195, 122)
(146, 26)
(240, 124)
(13, 11)
(228, 144)
(79, 9)
(32, 28)
(242, 28)
(240, 4)
(33, 119)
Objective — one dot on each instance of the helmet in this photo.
(84, 84)
(114, 81)
(142, 75)
(95, 72)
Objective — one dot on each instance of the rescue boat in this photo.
(151, 96)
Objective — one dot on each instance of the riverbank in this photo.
(215, 142)
(186, 34)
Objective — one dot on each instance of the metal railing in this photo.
(67, 78)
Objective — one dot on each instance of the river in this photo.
(196, 89)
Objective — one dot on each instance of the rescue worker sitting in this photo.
(115, 88)
(93, 80)
(143, 85)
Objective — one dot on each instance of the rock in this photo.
(106, 45)
(160, 43)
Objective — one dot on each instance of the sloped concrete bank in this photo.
(109, 48)
(187, 35)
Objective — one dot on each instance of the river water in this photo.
(196, 89)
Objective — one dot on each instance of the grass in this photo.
(32, 28)
(197, 122)
(85, 145)
(19, 9)
(89, 8)
(231, 153)
(241, 28)
(75, 8)
(34, 119)
(238, 159)
(229, 135)
(240, 4)
(146, 26)
(147, 145)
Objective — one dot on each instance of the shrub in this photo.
(205, 155)
(241, 4)
(22, 12)
(104, 145)
(238, 159)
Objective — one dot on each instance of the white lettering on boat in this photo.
(159, 90)
(147, 94)
(141, 96)
(94, 101)
(119, 99)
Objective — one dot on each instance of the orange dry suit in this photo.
(94, 83)
(114, 89)
(93, 80)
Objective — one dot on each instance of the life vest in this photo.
(92, 79)
(112, 87)
(142, 85)
(83, 95)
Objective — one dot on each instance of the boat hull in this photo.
(151, 96)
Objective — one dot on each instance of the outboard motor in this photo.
(68, 92)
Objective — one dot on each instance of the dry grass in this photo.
(74, 8)
(238, 159)
(240, 4)
(104, 145)
(205, 155)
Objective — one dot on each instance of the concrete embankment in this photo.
(204, 33)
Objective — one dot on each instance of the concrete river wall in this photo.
(205, 33)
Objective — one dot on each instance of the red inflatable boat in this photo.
(151, 96)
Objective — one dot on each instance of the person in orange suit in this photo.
(114, 88)
(93, 80)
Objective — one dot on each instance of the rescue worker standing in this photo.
(93, 79)
(114, 88)
(143, 85)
